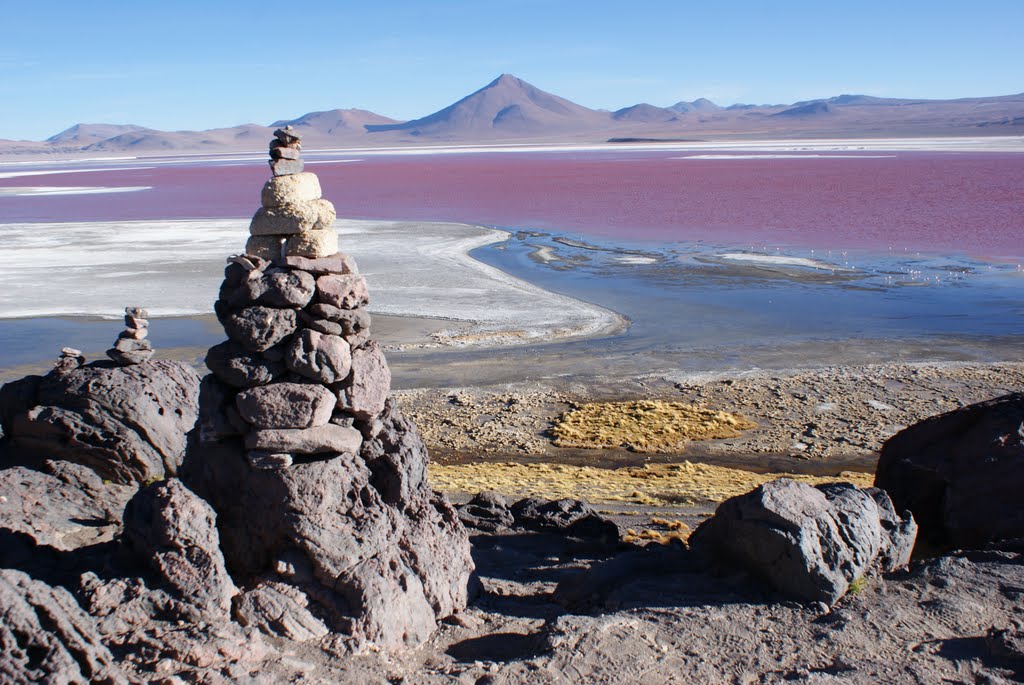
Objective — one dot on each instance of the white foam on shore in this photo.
(34, 191)
(174, 268)
(782, 260)
(51, 172)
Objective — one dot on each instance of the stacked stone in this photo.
(326, 517)
(131, 346)
(294, 220)
(69, 360)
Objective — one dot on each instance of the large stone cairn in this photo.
(326, 519)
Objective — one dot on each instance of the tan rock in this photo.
(314, 244)
(316, 215)
(291, 189)
(264, 246)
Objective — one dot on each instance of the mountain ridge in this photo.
(511, 109)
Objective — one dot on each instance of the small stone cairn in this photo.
(326, 519)
(131, 346)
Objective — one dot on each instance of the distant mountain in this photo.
(336, 121)
(84, 134)
(509, 109)
(506, 107)
(698, 105)
(809, 110)
(645, 113)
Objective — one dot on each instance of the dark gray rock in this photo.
(961, 474)
(286, 288)
(323, 358)
(537, 514)
(355, 323)
(809, 543)
(282, 152)
(260, 328)
(366, 389)
(342, 291)
(130, 358)
(286, 405)
(174, 531)
(218, 415)
(238, 367)
(66, 508)
(287, 136)
(396, 456)
(132, 345)
(128, 424)
(285, 167)
(47, 638)
(487, 511)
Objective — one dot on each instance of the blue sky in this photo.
(189, 65)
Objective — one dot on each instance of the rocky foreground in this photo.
(273, 522)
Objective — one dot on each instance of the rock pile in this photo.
(294, 221)
(131, 346)
(326, 519)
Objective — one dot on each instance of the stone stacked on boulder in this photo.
(293, 221)
(131, 346)
(69, 360)
(318, 482)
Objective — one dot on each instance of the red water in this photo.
(960, 202)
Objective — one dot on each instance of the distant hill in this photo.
(509, 109)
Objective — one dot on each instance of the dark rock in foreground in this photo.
(47, 638)
(809, 542)
(128, 424)
(961, 474)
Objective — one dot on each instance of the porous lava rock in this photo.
(127, 423)
(810, 543)
(47, 638)
(174, 531)
(961, 474)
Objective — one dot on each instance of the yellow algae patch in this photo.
(649, 485)
(644, 425)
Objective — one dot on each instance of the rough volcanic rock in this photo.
(279, 609)
(126, 423)
(487, 511)
(285, 288)
(353, 324)
(538, 514)
(366, 389)
(260, 328)
(286, 405)
(342, 291)
(809, 543)
(174, 531)
(961, 474)
(324, 358)
(238, 367)
(47, 638)
(66, 508)
(218, 415)
(396, 456)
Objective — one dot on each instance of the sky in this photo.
(196, 65)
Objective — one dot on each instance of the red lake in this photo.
(970, 203)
